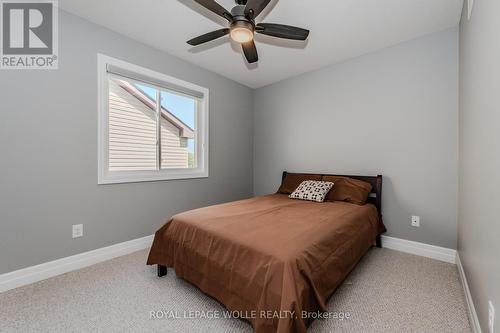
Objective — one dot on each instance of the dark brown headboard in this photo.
(376, 182)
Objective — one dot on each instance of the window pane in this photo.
(132, 126)
(178, 128)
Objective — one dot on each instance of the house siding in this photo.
(132, 135)
(174, 148)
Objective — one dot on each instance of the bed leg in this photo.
(378, 241)
(162, 270)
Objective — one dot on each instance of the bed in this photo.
(273, 260)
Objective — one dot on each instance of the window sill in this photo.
(121, 177)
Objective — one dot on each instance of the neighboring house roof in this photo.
(185, 130)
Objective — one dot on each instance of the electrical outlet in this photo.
(415, 221)
(491, 317)
(77, 230)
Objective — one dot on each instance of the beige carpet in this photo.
(388, 291)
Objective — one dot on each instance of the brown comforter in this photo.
(269, 257)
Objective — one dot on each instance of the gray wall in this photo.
(479, 227)
(48, 145)
(394, 112)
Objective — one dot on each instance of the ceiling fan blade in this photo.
(255, 7)
(282, 31)
(208, 37)
(216, 8)
(250, 51)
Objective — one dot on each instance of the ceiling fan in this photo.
(242, 26)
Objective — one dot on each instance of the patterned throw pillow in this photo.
(312, 190)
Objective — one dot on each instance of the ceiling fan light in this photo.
(241, 34)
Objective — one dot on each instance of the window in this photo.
(151, 126)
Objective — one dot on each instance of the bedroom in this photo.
(202, 135)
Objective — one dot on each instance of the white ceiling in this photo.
(340, 29)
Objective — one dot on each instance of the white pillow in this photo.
(312, 190)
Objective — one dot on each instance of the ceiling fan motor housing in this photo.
(238, 13)
(240, 20)
(243, 24)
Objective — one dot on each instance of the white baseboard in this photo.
(420, 249)
(474, 321)
(46, 270)
(49, 269)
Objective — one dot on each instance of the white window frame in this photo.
(115, 177)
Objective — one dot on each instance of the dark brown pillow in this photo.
(348, 189)
(293, 180)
